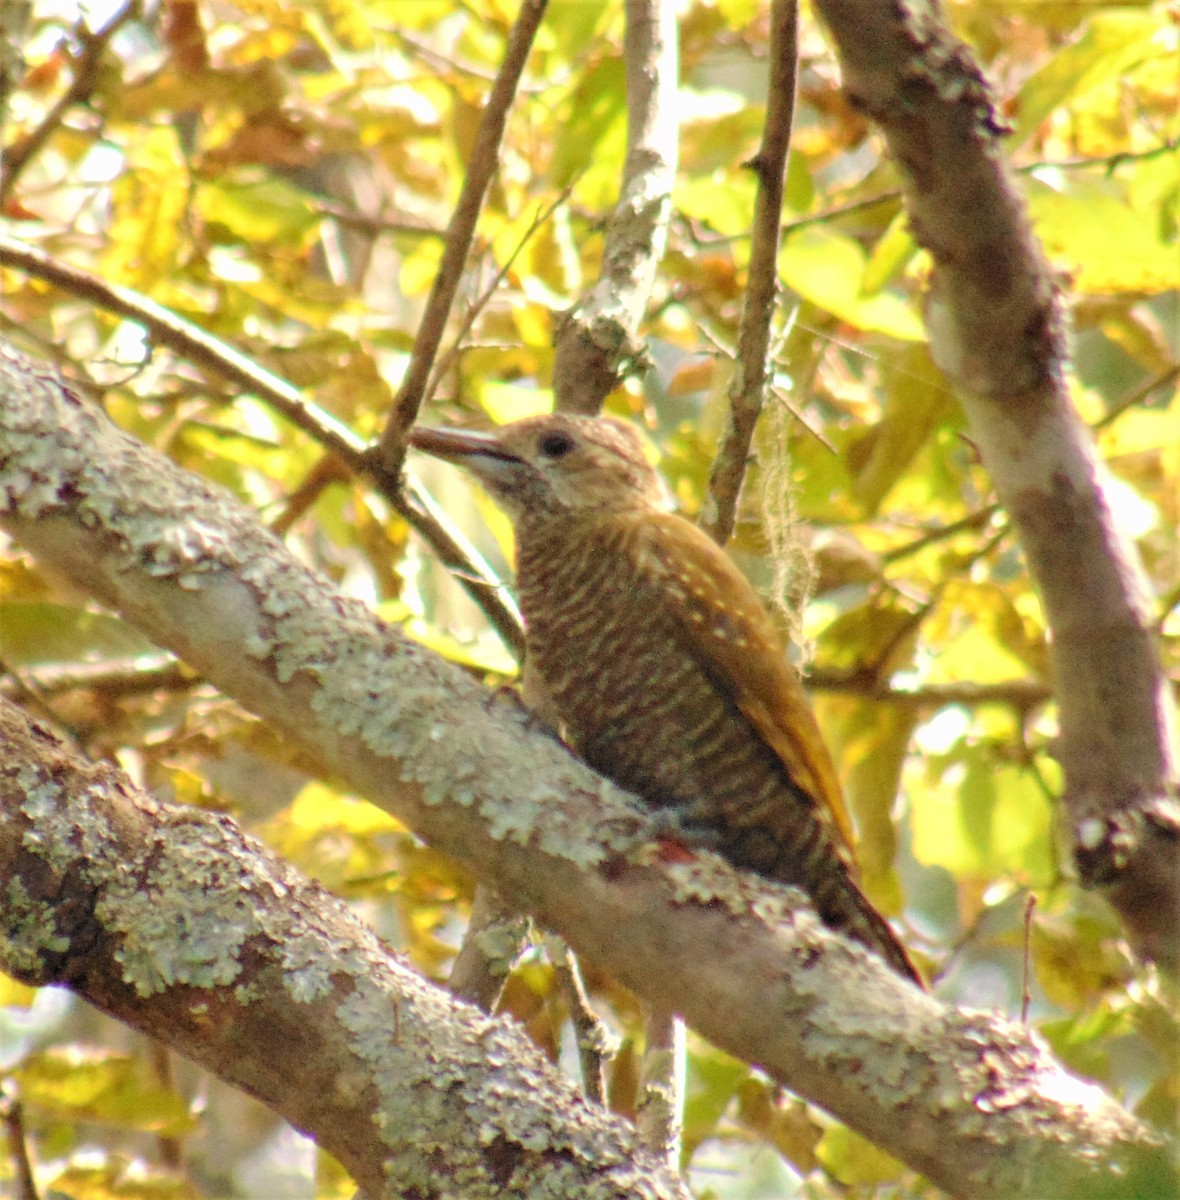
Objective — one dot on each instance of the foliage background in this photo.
(281, 175)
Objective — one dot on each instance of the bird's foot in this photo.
(677, 832)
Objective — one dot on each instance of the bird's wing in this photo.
(723, 624)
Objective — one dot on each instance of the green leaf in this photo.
(257, 208)
(997, 822)
(828, 268)
(853, 1159)
(712, 1080)
(896, 248)
(55, 633)
(871, 741)
(917, 402)
(596, 114)
(505, 402)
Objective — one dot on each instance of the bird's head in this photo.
(553, 465)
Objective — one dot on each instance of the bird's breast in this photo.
(636, 704)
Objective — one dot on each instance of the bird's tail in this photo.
(847, 909)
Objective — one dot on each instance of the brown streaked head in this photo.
(553, 464)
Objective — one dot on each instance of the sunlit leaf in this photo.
(713, 1078)
(828, 268)
(895, 249)
(852, 1159)
(871, 741)
(1091, 230)
(71, 1084)
(319, 808)
(505, 402)
(1114, 41)
(988, 820)
(45, 633)
(258, 210)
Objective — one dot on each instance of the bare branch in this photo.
(85, 65)
(997, 330)
(375, 224)
(1021, 694)
(115, 677)
(659, 1112)
(485, 157)
(751, 369)
(970, 1100)
(481, 302)
(595, 341)
(13, 1119)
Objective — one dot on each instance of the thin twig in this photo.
(595, 342)
(469, 319)
(1168, 602)
(751, 376)
(201, 348)
(658, 1111)
(170, 1146)
(1018, 693)
(1111, 162)
(972, 521)
(724, 351)
(485, 158)
(366, 223)
(112, 677)
(438, 61)
(1030, 905)
(591, 1036)
(843, 210)
(494, 938)
(13, 1119)
(325, 471)
(30, 696)
(85, 65)
(1136, 395)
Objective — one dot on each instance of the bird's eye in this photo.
(555, 445)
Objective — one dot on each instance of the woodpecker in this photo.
(661, 663)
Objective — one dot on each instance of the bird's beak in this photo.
(481, 453)
(461, 446)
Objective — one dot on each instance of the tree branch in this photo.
(85, 65)
(595, 340)
(485, 158)
(997, 330)
(751, 368)
(973, 1102)
(491, 944)
(172, 921)
(189, 341)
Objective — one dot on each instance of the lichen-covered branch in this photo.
(173, 921)
(751, 369)
(975, 1103)
(595, 340)
(492, 942)
(997, 330)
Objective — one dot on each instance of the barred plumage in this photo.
(661, 662)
